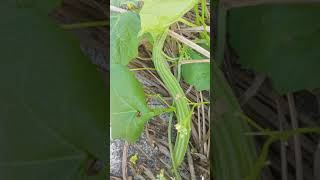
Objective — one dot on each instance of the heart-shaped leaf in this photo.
(281, 41)
(124, 37)
(53, 103)
(129, 110)
(157, 15)
(196, 74)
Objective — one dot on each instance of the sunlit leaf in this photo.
(159, 14)
(129, 111)
(124, 37)
(196, 74)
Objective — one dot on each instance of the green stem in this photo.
(85, 25)
(176, 173)
(168, 57)
(176, 92)
(196, 11)
(274, 136)
(284, 135)
(198, 104)
(141, 69)
(158, 111)
(187, 22)
(251, 122)
(203, 10)
(261, 160)
(161, 99)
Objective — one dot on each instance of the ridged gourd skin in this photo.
(183, 112)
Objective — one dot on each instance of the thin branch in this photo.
(142, 69)
(148, 172)
(252, 90)
(203, 124)
(124, 160)
(297, 143)
(189, 43)
(116, 9)
(284, 166)
(195, 61)
(191, 166)
(199, 123)
(195, 29)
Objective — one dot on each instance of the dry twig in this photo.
(297, 143)
(124, 160)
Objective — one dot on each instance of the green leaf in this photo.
(157, 15)
(281, 41)
(235, 152)
(124, 37)
(53, 103)
(196, 74)
(129, 110)
(120, 3)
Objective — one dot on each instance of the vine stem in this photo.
(141, 69)
(176, 173)
(158, 111)
(274, 136)
(187, 22)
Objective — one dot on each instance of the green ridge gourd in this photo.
(183, 112)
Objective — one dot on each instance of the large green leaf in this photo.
(124, 37)
(196, 74)
(159, 14)
(234, 151)
(129, 111)
(281, 41)
(53, 108)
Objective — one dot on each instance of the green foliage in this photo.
(120, 3)
(234, 152)
(281, 41)
(157, 15)
(124, 37)
(53, 103)
(129, 110)
(196, 74)
(128, 105)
